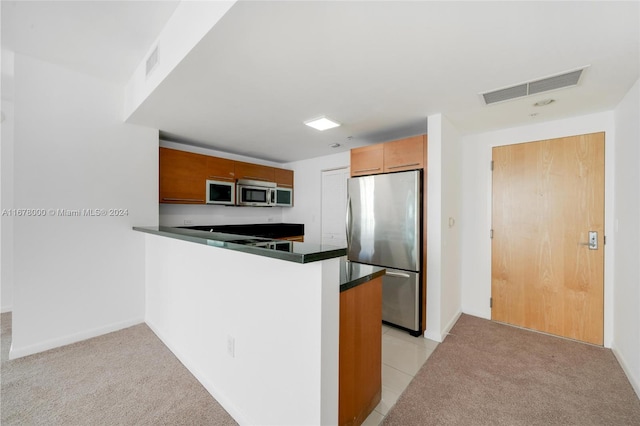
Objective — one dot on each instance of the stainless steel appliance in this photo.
(384, 228)
(221, 192)
(255, 193)
(284, 197)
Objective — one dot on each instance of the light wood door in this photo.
(547, 197)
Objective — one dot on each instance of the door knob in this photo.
(593, 241)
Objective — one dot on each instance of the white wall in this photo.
(186, 27)
(451, 250)
(626, 236)
(443, 242)
(475, 220)
(187, 215)
(77, 277)
(283, 318)
(307, 192)
(6, 202)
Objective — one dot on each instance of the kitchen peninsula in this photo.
(260, 327)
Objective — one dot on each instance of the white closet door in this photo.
(334, 207)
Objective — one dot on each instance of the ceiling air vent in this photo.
(559, 81)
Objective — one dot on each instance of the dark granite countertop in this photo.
(278, 249)
(353, 274)
(264, 230)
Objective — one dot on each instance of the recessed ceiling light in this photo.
(334, 145)
(544, 102)
(322, 123)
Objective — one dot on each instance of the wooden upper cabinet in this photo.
(283, 177)
(395, 156)
(367, 160)
(182, 177)
(405, 154)
(254, 172)
(220, 169)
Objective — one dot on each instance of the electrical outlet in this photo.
(231, 346)
(188, 222)
(271, 219)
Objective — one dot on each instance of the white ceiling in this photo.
(106, 39)
(380, 68)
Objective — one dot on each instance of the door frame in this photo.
(475, 213)
(517, 136)
(551, 306)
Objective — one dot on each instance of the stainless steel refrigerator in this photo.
(384, 228)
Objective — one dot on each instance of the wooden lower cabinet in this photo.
(360, 359)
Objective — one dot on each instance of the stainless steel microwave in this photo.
(255, 193)
(221, 192)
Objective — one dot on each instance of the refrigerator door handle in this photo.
(348, 221)
(398, 274)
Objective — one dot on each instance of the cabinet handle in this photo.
(404, 165)
(367, 170)
(220, 177)
(183, 199)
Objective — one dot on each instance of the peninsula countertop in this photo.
(291, 251)
(352, 274)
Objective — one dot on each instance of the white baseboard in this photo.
(436, 337)
(439, 336)
(635, 381)
(227, 404)
(479, 314)
(5, 309)
(19, 352)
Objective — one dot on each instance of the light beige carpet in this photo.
(485, 373)
(124, 378)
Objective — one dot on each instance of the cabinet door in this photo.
(405, 154)
(254, 172)
(182, 177)
(284, 177)
(220, 169)
(360, 352)
(367, 160)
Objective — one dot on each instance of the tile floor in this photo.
(402, 357)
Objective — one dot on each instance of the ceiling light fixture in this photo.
(334, 145)
(322, 123)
